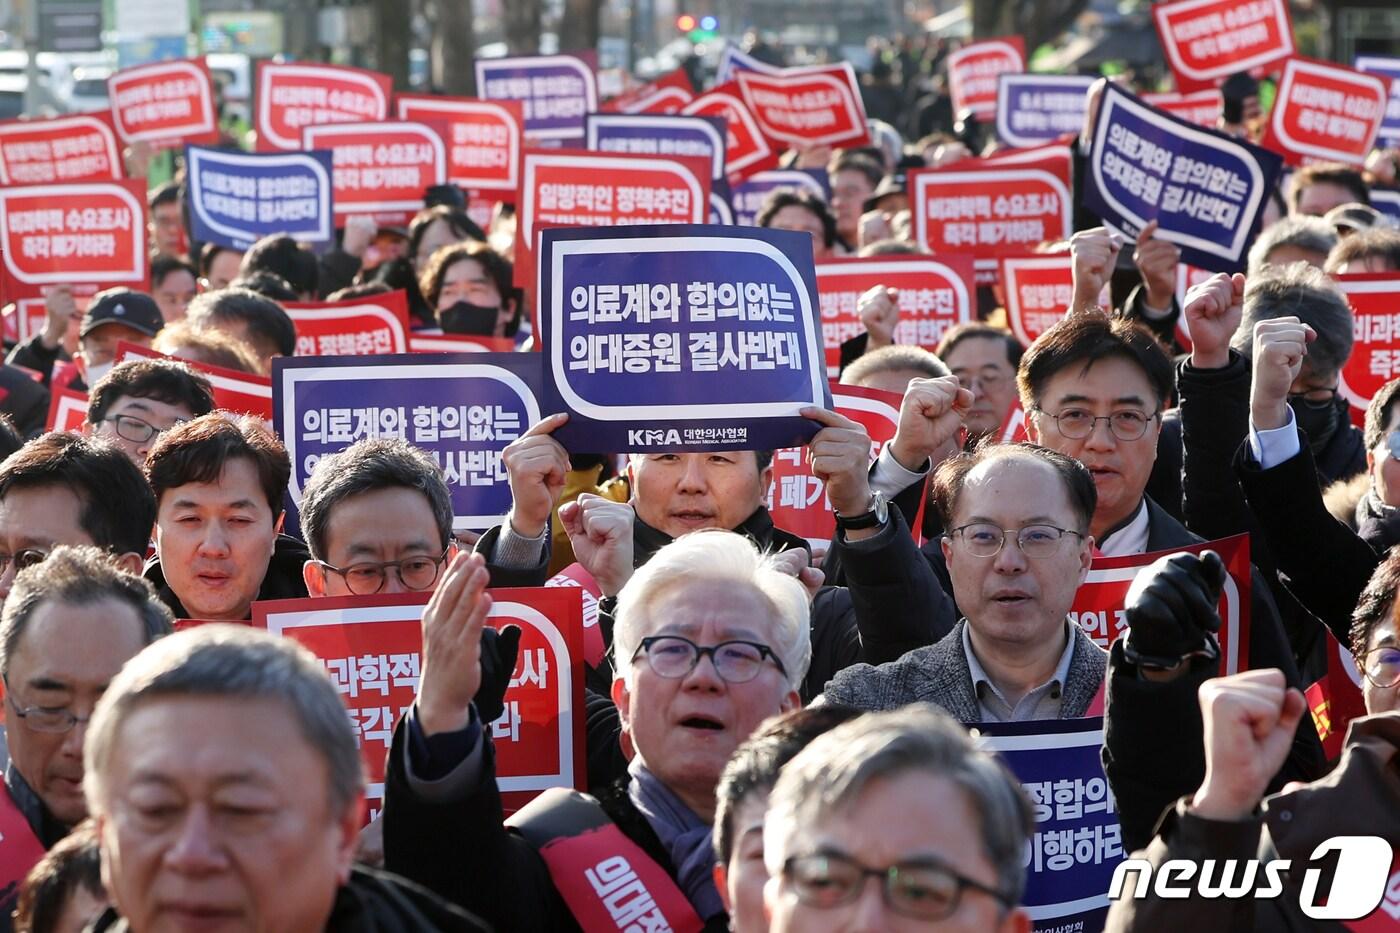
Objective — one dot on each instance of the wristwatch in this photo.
(874, 517)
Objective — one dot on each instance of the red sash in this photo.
(1096, 704)
(606, 879)
(20, 849)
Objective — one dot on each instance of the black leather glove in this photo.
(499, 650)
(1171, 609)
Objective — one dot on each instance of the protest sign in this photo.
(1387, 201)
(380, 169)
(237, 198)
(935, 295)
(1375, 328)
(973, 71)
(89, 232)
(1201, 108)
(659, 134)
(680, 337)
(750, 194)
(817, 106)
(1390, 68)
(242, 393)
(1038, 291)
(165, 103)
(555, 92)
(1033, 108)
(370, 326)
(568, 188)
(291, 97)
(747, 150)
(796, 499)
(1077, 842)
(438, 342)
(1098, 605)
(483, 137)
(1206, 41)
(1335, 699)
(78, 147)
(1206, 190)
(721, 210)
(1324, 112)
(463, 409)
(25, 316)
(667, 94)
(371, 647)
(733, 60)
(67, 410)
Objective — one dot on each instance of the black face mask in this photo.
(463, 317)
(1318, 423)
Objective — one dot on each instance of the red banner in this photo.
(796, 499)
(369, 326)
(973, 71)
(165, 103)
(1201, 108)
(67, 410)
(372, 645)
(1324, 112)
(1336, 699)
(25, 316)
(79, 147)
(935, 295)
(1375, 327)
(573, 188)
(90, 232)
(1206, 41)
(483, 137)
(436, 341)
(1038, 291)
(807, 106)
(747, 151)
(233, 391)
(291, 97)
(380, 169)
(667, 94)
(1098, 606)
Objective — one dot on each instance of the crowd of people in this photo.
(768, 728)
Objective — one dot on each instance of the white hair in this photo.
(719, 556)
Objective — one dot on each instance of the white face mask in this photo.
(91, 374)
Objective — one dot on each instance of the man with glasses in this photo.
(131, 405)
(984, 358)
(67, 628)
(896, 821)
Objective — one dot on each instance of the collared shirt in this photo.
(1275, 445)
(1043, 702)
(1127, 539)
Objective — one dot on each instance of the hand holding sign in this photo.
(452, 623)
(360, 231)
(1095, 253)
(1250, 719)
(1212, 311)
(1279, 348)
(601, 532)
(840, 455)
(929, 417)
(59, 309)
(1156, 260)
(879, 312)
(537, 465)
(1171, 609)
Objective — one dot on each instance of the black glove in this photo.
(1171, 609)
(499, 650)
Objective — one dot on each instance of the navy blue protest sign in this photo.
(1387, 201)
(721, 207)
(1206, 190)
(1034, 109)
(1390, 68)
(462, 408)
(237, 198)
(659, 134)
(1077, 841)
(556, 91)
(681, 337)
(749, 195)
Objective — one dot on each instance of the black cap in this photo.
(890, 184)
(136, 310)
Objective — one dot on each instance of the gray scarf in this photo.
(684, 835)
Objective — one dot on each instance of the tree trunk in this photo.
(393, 38)
(1037, 21)
(522, 25)
(581, 26)
(454, 48)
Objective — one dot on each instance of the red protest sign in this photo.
(1206, 41)
(807, 106)
(79, 147)
(165, 103)
(796, 499)
(483, 137)
(667, 94)
(291, 97)
(67, 410)
(747, 151)
(1324, 112)
(1336, 698)
(233, 391)
(974, 68)
(380, 169)
(573, 188)
(438, 342)
(1375, 328)
(1201, 108)
(1098, 605)
(935, 294)
(371, 647)
(370, 326)
(1038, 291)
(89, 232)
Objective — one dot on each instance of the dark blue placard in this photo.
(323, 404)
(721, 210)
(659, 134)
(732, 61)
(1390, 68)
(1206, 190)
(1033, 109)
(237, 198)
(681, 337)
(749, 194)
(1077, 842)
(1387, 201)
(556, 92)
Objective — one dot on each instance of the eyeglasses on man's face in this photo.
(1128, 424)
(983, 539)
(736, 662)
(925, 890)
(418, 572)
